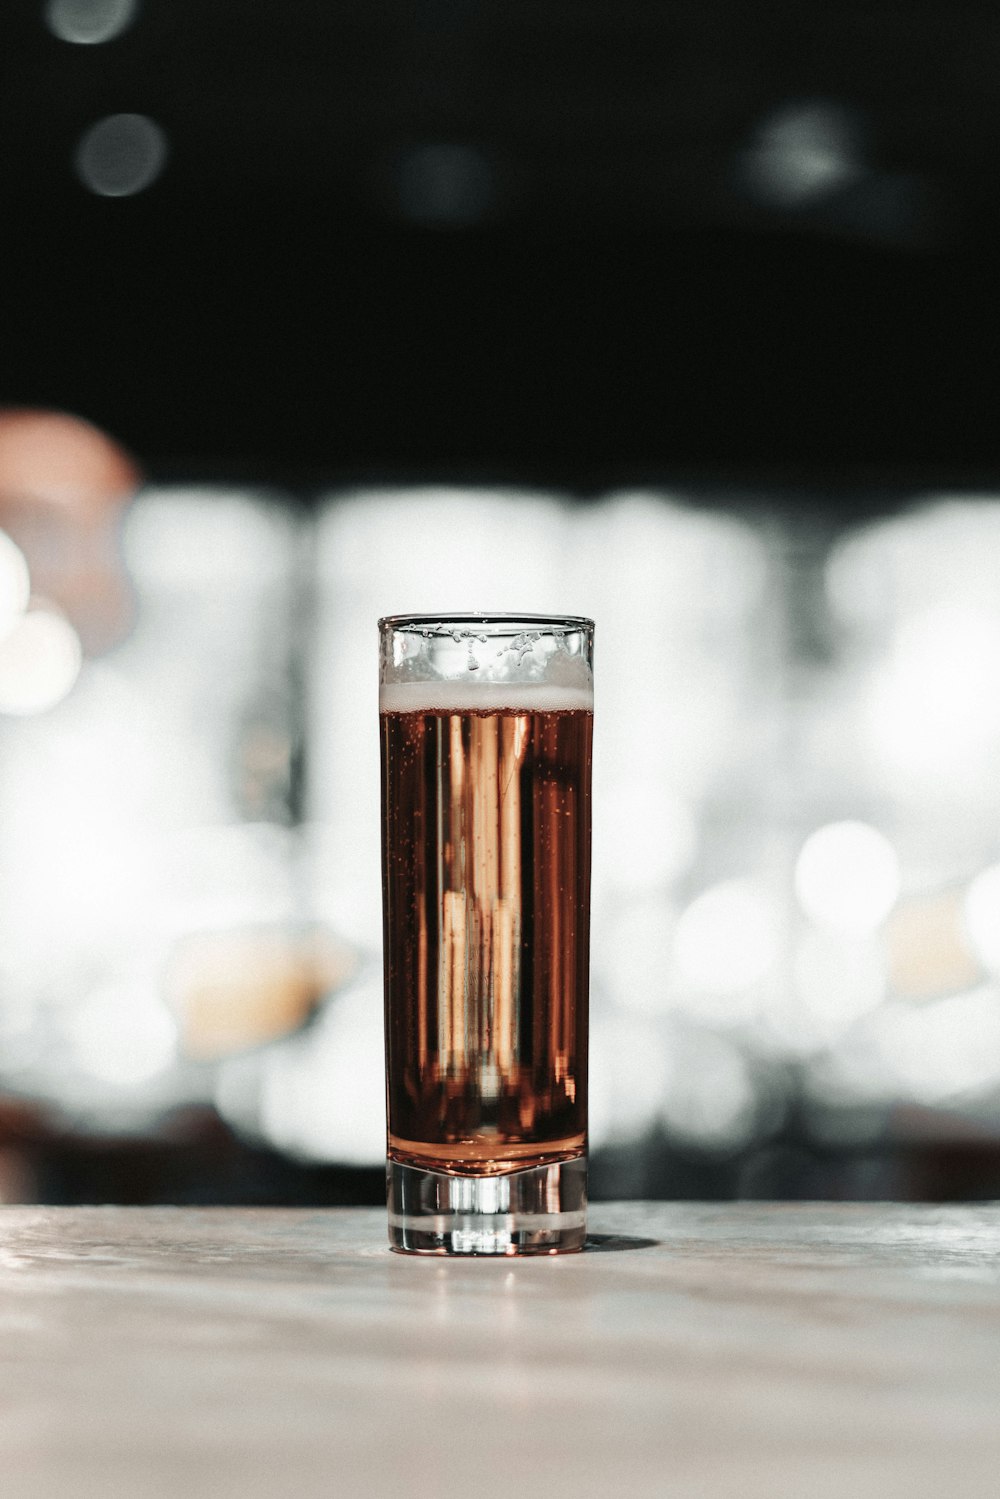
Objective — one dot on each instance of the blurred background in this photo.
(679, 315)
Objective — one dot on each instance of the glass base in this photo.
(542, 1210)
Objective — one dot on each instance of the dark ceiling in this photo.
(547, 239)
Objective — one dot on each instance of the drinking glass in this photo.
(486, 728)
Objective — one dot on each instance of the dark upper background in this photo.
(519, 240)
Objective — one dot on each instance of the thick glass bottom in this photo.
(542, 1210)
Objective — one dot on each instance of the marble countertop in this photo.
(711, 1351)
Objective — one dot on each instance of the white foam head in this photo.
(491, 664)
(486, 697)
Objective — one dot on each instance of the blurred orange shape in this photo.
(239, 989)
(63, 487)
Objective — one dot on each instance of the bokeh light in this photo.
(942, 1051)
(640, 934)
(838, 978)
(802, 153)
(89, 21)
(709, 1098)
(982, 916)
(322, 1095)
(132, 824)
(729, 937)
(882, 574)
(629, 1073)
(40, 660)
(216, 878)
(121, 155)
(445, 185)
(933, 705)
(662, 835)
(14, 584)
(847, 877)
(123, 1035)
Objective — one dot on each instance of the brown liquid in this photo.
(486, 860)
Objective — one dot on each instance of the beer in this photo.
(486, 869)
(486, 743)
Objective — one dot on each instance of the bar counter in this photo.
(722, 1351)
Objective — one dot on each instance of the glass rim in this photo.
(493, 621)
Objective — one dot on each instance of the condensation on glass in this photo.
(486, 731)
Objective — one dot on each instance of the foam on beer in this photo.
(483, 697)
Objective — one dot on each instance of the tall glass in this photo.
(486, 726)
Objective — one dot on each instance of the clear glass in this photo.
(486, 731)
